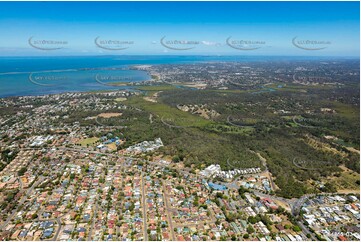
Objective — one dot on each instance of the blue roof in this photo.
(217, 187)
(48, 232)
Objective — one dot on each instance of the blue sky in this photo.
(204, 26)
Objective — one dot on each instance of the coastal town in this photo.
(180, 120)
(68, 194)
(62, 179)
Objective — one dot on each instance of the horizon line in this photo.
(185, 55)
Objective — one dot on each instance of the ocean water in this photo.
(21, 76)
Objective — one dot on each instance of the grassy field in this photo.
(169, 114)
(88, 141)
(347, 180)
(112, 146)
(346, 111)
(150, 90)
(120, 99)
(156, 88)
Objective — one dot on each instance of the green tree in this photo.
(250, 229)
